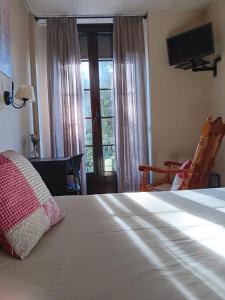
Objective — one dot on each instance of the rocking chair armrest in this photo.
(164, 171)
(172, 163)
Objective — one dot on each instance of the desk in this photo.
(54, 172)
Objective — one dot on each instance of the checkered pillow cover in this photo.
(27, 209)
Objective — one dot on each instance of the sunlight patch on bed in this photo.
(152, 257)
(155, 260)
(203, 231)
(206, 275)
(104, 205)
(117, 203)
(212, 280)
(202, 199)
(206, 200)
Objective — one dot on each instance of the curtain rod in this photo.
(37, 18)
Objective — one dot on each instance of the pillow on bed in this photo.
(27, 209)
(180, 177)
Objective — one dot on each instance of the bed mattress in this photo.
(168, 245)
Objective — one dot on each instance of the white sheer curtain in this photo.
(65, 88)
(131, 115)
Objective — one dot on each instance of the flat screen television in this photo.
(191, 45)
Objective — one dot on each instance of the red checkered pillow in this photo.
(180, 178)
(27, 209)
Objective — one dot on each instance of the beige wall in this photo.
(15, 125)
(179, 98)
(216, 14)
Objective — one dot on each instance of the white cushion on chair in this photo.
(179, 179)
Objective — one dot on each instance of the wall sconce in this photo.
(25, 93)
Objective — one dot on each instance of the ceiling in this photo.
(109, 7)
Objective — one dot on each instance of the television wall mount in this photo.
(201, 65)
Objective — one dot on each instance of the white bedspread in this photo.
(132, 246)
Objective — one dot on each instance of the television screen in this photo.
(192, 44)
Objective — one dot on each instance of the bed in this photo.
(168, 245)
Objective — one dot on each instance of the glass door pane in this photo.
(106, 78)
(89, 161)
(107, 103)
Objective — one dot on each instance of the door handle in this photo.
(97, 118)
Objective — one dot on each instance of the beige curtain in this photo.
(131, 116)
(65, 88)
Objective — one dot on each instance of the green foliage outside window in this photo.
(107, 115)
(89, 160)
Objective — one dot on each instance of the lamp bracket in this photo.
(8, 97)
(17, 106)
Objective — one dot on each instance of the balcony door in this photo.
(96, 44)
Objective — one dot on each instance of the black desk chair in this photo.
(75, 187)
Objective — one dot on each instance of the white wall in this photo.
(15, 125)
(179, 98)
(44, 120)
(216, 95)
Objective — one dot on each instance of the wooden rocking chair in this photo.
(197, 175)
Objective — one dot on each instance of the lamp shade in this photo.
(26, 92)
